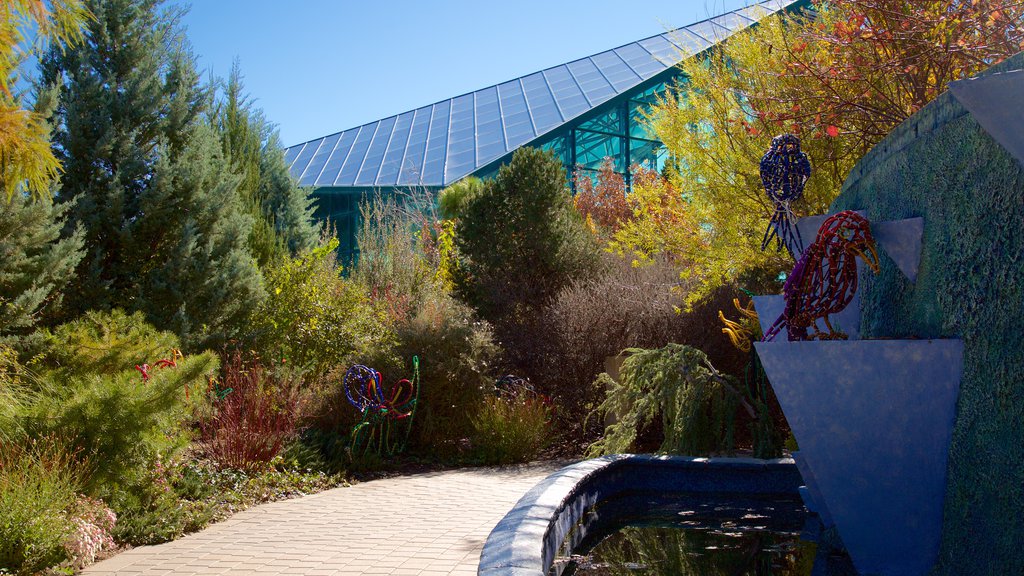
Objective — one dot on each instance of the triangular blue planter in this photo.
(770, 307)
(874, 419)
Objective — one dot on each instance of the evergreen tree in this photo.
(158, 202)
(280, 209)
(36, 263)
(521, 239)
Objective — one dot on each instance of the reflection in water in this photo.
(663, 551)
(702, 535)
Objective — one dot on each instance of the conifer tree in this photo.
(280, 209)
(521, 240)
(37, 263)
(152, 191)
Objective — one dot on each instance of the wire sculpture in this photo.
(741, 332)
(784, 171)
(766, 441)
(512, 387)
(381, 408)
(824, 280)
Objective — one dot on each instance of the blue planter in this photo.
(874, 419)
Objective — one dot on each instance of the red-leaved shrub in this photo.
(255, 412)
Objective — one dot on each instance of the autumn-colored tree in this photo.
(601, 199)
(886, 60)
(840, 77)
(662, 222)
(25, 155)
(716, 139)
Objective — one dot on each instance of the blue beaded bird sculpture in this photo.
(824, 280)
(784, 171)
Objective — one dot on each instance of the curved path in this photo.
(430, 524)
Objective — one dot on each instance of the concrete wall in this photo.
(942, 165)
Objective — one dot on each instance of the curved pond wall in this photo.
(528, 538)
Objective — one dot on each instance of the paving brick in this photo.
(432, 524)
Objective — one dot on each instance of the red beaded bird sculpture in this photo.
(824, 280)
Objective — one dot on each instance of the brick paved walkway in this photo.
(433, 523)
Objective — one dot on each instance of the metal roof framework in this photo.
(436, 145)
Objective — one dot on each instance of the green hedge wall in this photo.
(942, 165)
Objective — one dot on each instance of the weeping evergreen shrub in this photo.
(677, 383)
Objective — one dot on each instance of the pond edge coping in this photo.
(526, 540)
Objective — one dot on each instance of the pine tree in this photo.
(158, 202)
(280, 209)
(36, 264)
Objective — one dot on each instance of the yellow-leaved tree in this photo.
(716, 136)
(840, 76)
(25, 156)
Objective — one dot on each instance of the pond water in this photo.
(698, 536)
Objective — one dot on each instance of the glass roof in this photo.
(441, 143)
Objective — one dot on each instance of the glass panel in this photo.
(291, 153)
(299, 166)
(709, 31)
(437, 142)
(650, 95)
(543, 110)
(375, 154)
(594, 85)
(515, 117)
(388, 174)
(342, 210)
(567, 92)
(776, 5)
(662, 50)
(347, 176)
(330, 172)
(689, 42)
(650, 155)
(461, 139)
(319, 159)
(616, 71)
(732, 21)
(412, 164)
(592, 148)
(755, 12)
(637, 123)
(490, 136)
(557, 145)
(610, 122)
(642, 63)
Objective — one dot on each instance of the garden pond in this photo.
(644, 534)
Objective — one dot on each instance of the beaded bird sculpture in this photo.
(784, 171)
(824, 280)
(381, 408)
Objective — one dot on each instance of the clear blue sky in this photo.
(321, 66)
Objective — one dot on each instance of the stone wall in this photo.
(942, 165)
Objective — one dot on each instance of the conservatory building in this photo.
(585, 111)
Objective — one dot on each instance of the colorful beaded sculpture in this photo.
(824, 280)
(512, 387)
(381, 408)
(784, 171)
(741, 332)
